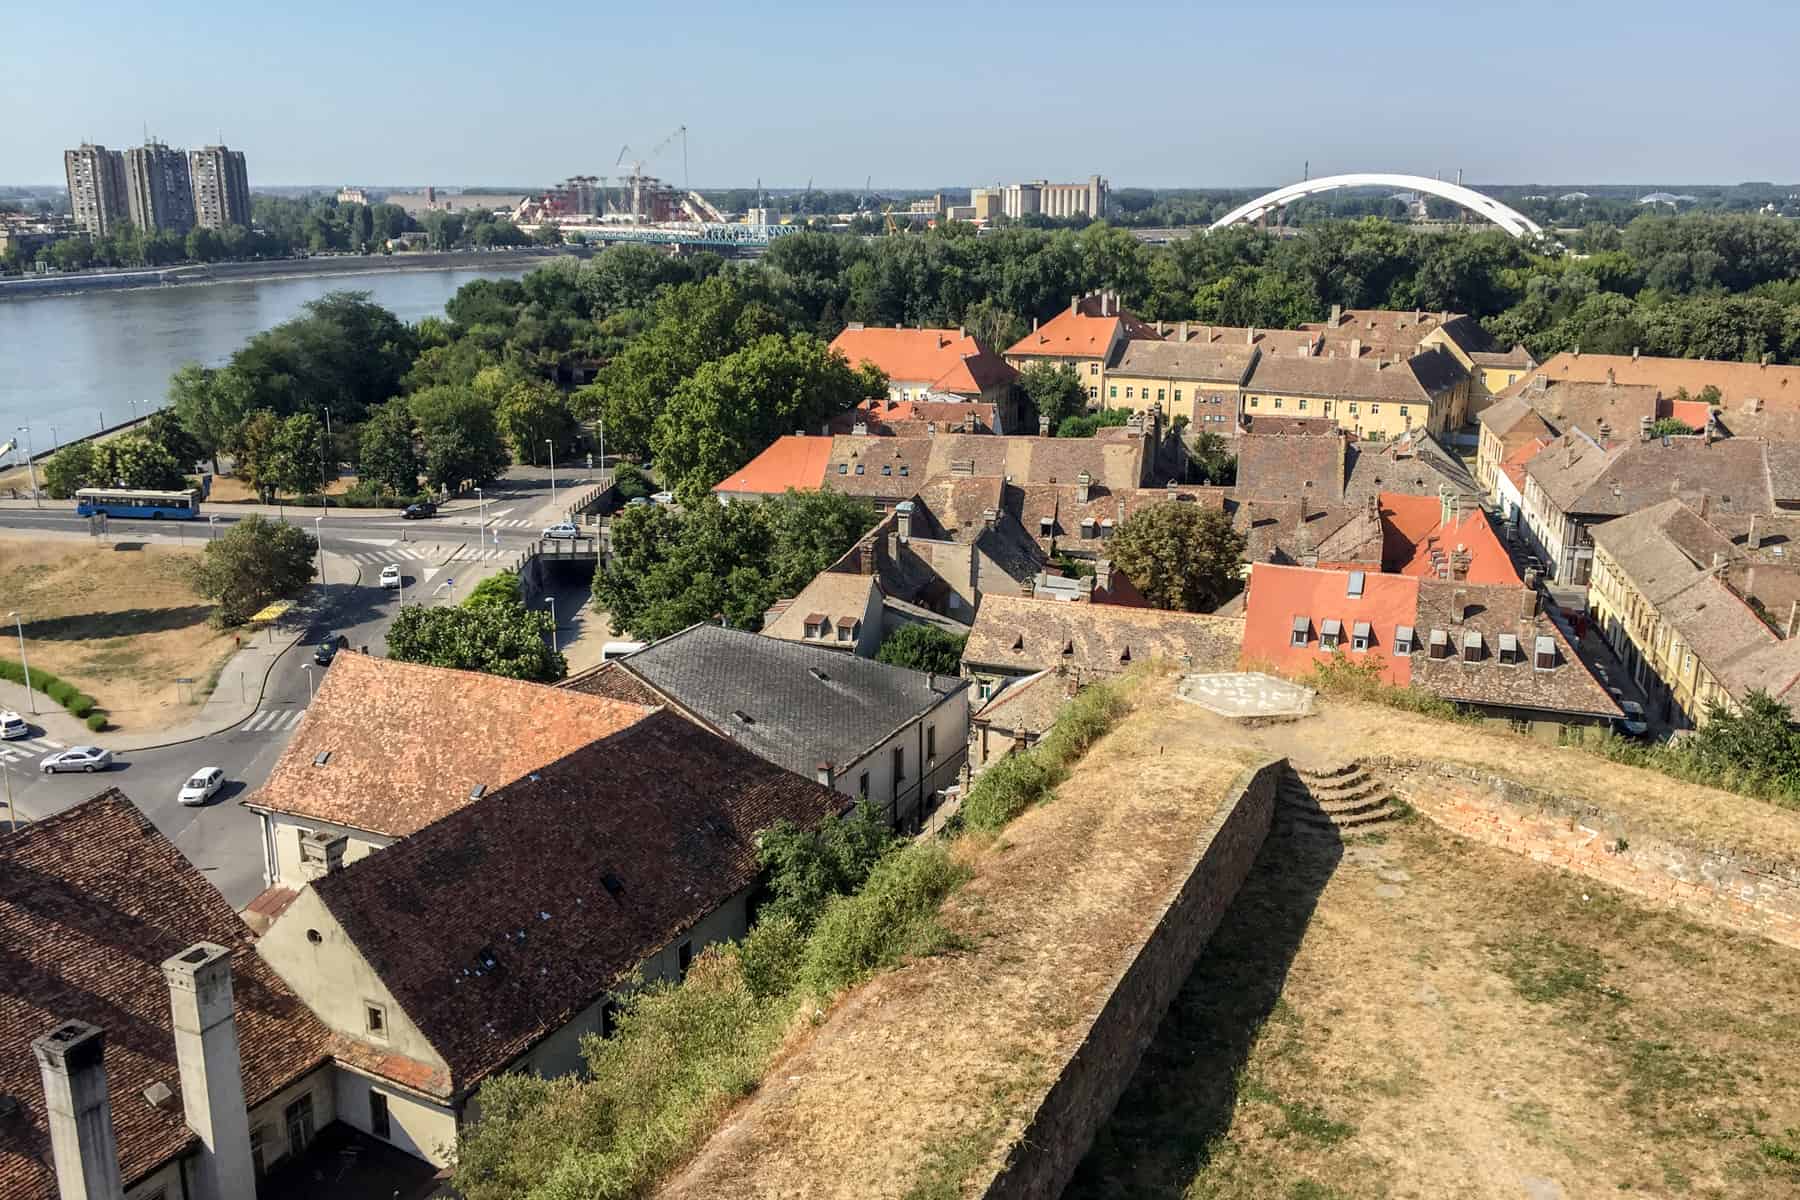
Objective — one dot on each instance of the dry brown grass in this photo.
(1428, 1018)
(118, 621)
(924, 1075)
(228, 489)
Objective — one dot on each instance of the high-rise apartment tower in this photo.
(96, 188)
(221, 187)
(157, 186)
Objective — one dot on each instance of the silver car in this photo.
(77, 758)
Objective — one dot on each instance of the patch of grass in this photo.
(1340, 678)
(1018, 781)
(1547, 970)
(1300, 1119)
(1311, 1189)
(947, 1164)
(1784, 1150)
(893, 916)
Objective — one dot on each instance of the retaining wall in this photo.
(1096, 1074)
(1712, 884)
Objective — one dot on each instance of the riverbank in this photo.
(193, 274)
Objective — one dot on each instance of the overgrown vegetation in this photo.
(72, 698)
(923, 648)
(491, 631)
(1753, 750)
(1018, 781)
(841, 903)
(1180, 556)
(1344, 679)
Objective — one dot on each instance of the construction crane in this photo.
(631, 190)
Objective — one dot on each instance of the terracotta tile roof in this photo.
(1306, 467)
(1060, 505)
(497, 925)
(832, 596)
(1018, 634)
(1776, 387)
(1274, 424)
(917, 418)
(894, 468)
(1783, 459)
(1492, 610)
(1080, 331)
(1222, 363)
(1268, 341)
(1602, 410)
(946, 360)
(1415, 464)
(1416, 380)
(1731, 474)
(1279, 597)
(793, 461)
(408, 742)
(1425, 544)
(1518, 358)
(92, 901)
(1287, 530)
(613, 682)
(1029, 705)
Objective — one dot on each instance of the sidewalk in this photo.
(234, 700)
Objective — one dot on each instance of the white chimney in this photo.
(212, 1085)
(77, 1107)
(1084, 483)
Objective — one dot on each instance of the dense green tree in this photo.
(727, 411)
(1054, 392)
(494, 636)
(462, 439)
(808, 531)
(1212, 461)
(295, 460)
(251, 563)
(211, 405)
(343, 354)
(923, 648)
(529, 412)
(253, 446)
(69, 469)
(388, 459)
(134, 461)
(806, 867)
(1180, 556)
(166, 429)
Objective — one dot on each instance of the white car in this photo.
(564, 530)
(390, 576)
(77, 758)
(663, 498)
(202, 786)
(12, 725)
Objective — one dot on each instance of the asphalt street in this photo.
(222, 837)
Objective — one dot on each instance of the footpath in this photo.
(234, 700)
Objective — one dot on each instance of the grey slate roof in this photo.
(795, 718)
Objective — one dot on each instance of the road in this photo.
(221, 837)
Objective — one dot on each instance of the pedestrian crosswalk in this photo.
(273, 720)
(514, 523)
(404, 554)
(24, 749)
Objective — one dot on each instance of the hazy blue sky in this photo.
(918, 93)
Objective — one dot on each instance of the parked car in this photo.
(614, 650)
(77, 758)
(663, 498)
(12, 725)
(564, 530)
(202, 786)
(326, 652)
(390, 576)
(1633, 723)
(423, 508)
(638, 502)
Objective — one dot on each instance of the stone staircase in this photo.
(1343, 797)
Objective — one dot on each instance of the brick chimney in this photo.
(1754, 541)
(1337, 315)
(1355, 347)
(78, 1108)
(203, 1016)
(1103, 574)
(1459, 605)
(1084, 484)
(1043, 425)
(1181, 332)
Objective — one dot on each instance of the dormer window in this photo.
(1471, 646)
(1508, 651)
(1330, 633)
(1543, 654)
(1302, 632)
(1359, 636)
(1354, 589)
(1439, 646)
(848, 628)
(817, 624)
(1404, 639)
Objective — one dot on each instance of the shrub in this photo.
(1009, 787)
(770, 956)
(807, 867)
(60, 692)
(80, 704)
(96, 721)
(894, 915)
(1338, 676)
(631, 482)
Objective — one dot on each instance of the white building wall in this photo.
(281, 845)
(270, 1117)
(421, 1127)
(900, 798)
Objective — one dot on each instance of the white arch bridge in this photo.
(1511, 220)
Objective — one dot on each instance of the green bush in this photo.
(631, 482)
(1009, 787)
(770, 956)
(60, 692)
(80, 704)
(807, 867)
(96, 721)
(894, 915)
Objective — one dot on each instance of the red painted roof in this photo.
(794, 461)
(1278, 596)
(1080, 332)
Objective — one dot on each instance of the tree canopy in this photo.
(923, 648)
(1180, 556)
(490, 631)
(255, 561)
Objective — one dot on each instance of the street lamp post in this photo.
(481, 533)
(551, 601)
(324, 452)
(31, 466)
(309, 683)
(212, 524)
(602, 451)
(54, 440)
(319, 537)
(552, 446)
(19, 624)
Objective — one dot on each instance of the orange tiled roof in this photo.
(1080, 331)
(1426, 542)
(1279, 597)
(947, 360)
(409, 742)
(794, 461)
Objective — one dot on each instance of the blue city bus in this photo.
(138, 502)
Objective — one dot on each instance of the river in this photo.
(86, 361)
